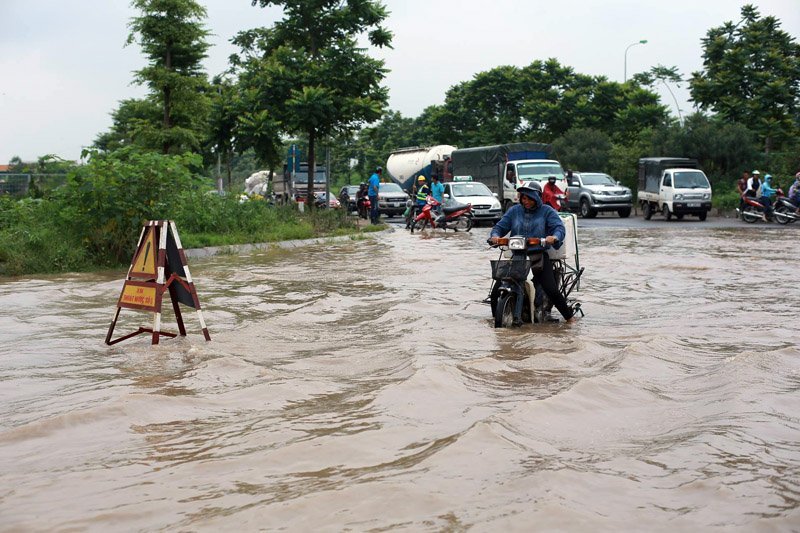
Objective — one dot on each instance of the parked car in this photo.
(352, 190)
(593, 192)
(332, 202)
(391, 199)
(485, 205)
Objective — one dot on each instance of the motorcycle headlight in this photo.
(516, 243)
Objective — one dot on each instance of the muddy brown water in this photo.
(360, 386)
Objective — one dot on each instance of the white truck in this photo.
(674, 187)
(504, 167)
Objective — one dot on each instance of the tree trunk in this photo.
(167, 101)
(228, 157)
(312, 169)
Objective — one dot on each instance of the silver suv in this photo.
(593, 192)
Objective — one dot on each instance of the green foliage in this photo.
(583, 149)
(623, 161)
(114, 194)
(172, 37)
(308, 75)
(35, 237)
(751, 75)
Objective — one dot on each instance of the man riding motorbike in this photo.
(794, 192)
(533, 219)
(551, 192)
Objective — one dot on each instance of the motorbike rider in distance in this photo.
(794, 193)
(767, 192)
(531, 218)
(550, 193)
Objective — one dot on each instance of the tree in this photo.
(583, 149)
(662, 74)
(173, 39)
(222, 122)
(751, 75)
(130, 121)
(307, 74)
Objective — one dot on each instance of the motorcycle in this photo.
(563, 202)
(784, 209)
(455, 217)
(513, 295)
(752, 211)
(363, 205)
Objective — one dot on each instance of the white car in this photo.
(485, 205)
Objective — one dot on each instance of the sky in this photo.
(64, 65)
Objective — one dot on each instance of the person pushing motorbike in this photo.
(531, 218)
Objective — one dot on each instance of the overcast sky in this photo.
(64, 66)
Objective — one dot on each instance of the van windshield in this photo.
(690, 180)
(539, 171)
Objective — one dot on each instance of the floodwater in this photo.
(361, 386)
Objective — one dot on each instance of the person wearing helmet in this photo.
(550, 193)
(374, 188)
(753, 184)
(361, 200)
(766, 194)
(422, 192)
(532, 218)
(794, 192)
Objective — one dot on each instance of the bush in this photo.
(112, 196)
(35, 237)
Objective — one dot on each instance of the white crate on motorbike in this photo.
(569, 249)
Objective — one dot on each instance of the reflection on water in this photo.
(361, 385)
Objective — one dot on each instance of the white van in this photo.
(674, 187)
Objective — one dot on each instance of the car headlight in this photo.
(678, 197)
(706, 196)
(496, 205)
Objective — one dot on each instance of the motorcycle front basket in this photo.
(516, 269)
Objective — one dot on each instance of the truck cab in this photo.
(525, 170)
(674, 187)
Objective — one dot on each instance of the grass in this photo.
(41, 236)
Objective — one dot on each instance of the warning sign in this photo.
(144, 263)
(159, 263)
(138, 296)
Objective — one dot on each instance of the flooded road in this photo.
(361, 386)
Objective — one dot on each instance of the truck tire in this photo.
(507, 205)
(586, 209)
(624, 213)
(667, 212)
(702, 216)
(647, 210)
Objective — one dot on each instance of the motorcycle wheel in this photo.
(463, 222)
(419, 225)
(782, 215)
(504, 314)
(750, 215)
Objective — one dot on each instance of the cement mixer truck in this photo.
(404, 165)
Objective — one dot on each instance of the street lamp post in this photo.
(625, 74)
